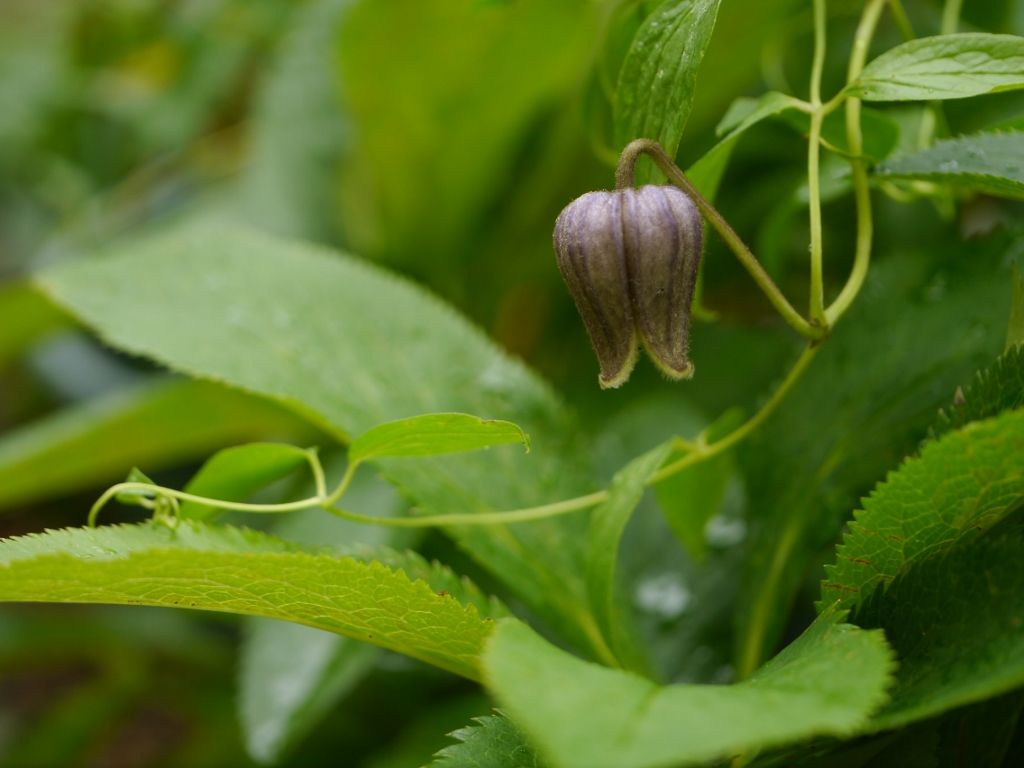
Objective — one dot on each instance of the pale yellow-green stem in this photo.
(861, 191)
(817, 299)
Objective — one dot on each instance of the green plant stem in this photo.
(855, 140)
(817, 299)
(751, 649)
(951, 16)
(158, 490)
(478, 518)
(624, 176)
(697, 451)
(319, 481)
(706, 451)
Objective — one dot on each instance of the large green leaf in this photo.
(992, 163)
(656, 84)
(492, 741)
(580, 714)
(960, 485)
(239, 571)
(945, 67)
(847, 422)
(350, 347)
(156, 424)
(956, 622)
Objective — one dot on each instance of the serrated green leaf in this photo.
(959, 486)
(992, 163)
(235, 473)
(944, 67)
(291, 676)
(240, 571)
(492, 742)
(607, 524)
(956, 622)
(656, 84)
(434, 434)
(847, 422)
(156, 424)
(827, 682)
(349, 347)
(997, 388)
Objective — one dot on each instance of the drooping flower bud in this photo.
(630, 258)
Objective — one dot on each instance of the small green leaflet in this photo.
(607, 524)
(746, 112)
(234, 474)
(944, 67)
(992, 163)
(689, 499)
(434, 434)
(581, 715)
(656, 84)
(240, 571)
(959, 486)
(706, 173)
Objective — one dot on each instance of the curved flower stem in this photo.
(479, 518)
(703, 452)
(624, 178)
(861, 191)
(171, 493)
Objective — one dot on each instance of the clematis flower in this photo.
(630, 259)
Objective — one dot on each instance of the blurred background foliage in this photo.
(439, 138)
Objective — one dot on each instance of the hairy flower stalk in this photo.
(630, 258)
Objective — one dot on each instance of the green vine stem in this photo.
(861, 191)
(624, 176)
(817, 300)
